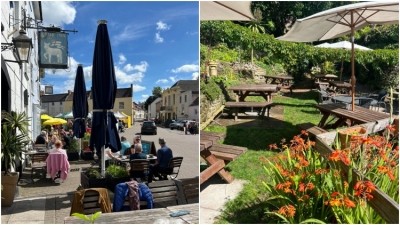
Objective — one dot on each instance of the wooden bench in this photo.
(262, 105)
(312, 129)
(214, 134)
(227, 152)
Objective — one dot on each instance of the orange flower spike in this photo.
(349, 203)
(302, 187)
(291, 211)
(335, 202)
(335, 155)
(334, 194)
(310, 186)
(304, 132)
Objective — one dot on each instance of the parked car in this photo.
(179, 124)
(175, 124)
(148, 127)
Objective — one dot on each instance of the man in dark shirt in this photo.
(41, 139)
(164, 156)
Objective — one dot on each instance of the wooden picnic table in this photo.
(284, 81)
(325, 77)
(214, 165)
(340, 87)
(244, 90)
(358, 116)
(146, 216)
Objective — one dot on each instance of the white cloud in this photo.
(124, 78)
(162, 26)
(173, 79)
(195, 75)
(145, 96)
(162, 81)
(128, 67)
(186, 69)
(58, 13)
(142, 67)
(158, 38)
(137, 88)
(122, 59)
(131, 32)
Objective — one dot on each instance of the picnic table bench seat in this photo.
(227, 152)
(312, 129)
(264, 106)
(215, 134)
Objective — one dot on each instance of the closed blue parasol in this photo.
(104, 88)
(79, 104)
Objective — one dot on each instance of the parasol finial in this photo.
(101, 22)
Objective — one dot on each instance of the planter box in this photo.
(108, 183)
(385, 206)
(87, 155)
(73, 156)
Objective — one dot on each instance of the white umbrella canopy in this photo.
(119, 115)
(68, 115)
(225, 10)
(336, 22)
(344, 45)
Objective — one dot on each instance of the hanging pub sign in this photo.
(53, 50)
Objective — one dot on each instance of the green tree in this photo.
(157, 91)
(279, 16)
(256, 27)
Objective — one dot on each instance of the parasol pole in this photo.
(103, 161)
(353, 77)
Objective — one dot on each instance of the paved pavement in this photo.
(43, 201)
(214, 193)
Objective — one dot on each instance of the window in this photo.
(180, 99)
(52, 103)
(121, 105)
(61, 103)
(185, 98)
(173, 100)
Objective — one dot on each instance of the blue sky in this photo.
(153, 43)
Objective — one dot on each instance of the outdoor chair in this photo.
(139, 169)
(190, 189)
(175, 165)
(378, 100)
(90, 202)
(38, 163)
(324, 97)
(164, 193)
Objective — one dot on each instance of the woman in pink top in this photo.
(58, 148)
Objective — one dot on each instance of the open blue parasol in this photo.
(104, 87)
(79, 104)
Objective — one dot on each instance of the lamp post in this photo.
(21, 46)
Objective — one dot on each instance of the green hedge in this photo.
(378, 68)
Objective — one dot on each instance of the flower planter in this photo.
(350, 135)
(9, 188)
(107, 182)
(73, 156)
(87, 155)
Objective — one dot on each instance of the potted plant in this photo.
(116, 174)
(86, 153)
(73, 150)
(14, 139)
(351, 134)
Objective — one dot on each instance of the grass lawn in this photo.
(249, 206)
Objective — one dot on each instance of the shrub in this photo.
(115, 171)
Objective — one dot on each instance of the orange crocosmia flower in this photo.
(279, 186)
(310, 186)
(304, 132)
(335, 202)
(302, 187)
(334, 194)
(335, 155)
(345, 184)
(349, 203)
(291, 210)
(382, 169)
(273, 146)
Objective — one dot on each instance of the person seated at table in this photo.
(125, 146)
(65, 139)
(164, 155)
(136, 152)
(110, 156)
(41, 138)
(58, 148)
(53, 138)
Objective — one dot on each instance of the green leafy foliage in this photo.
(86, 218)
(374, 68)
(14, 138)
(93, 173)
(210, 89)
(73, 145)
(116, 171)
